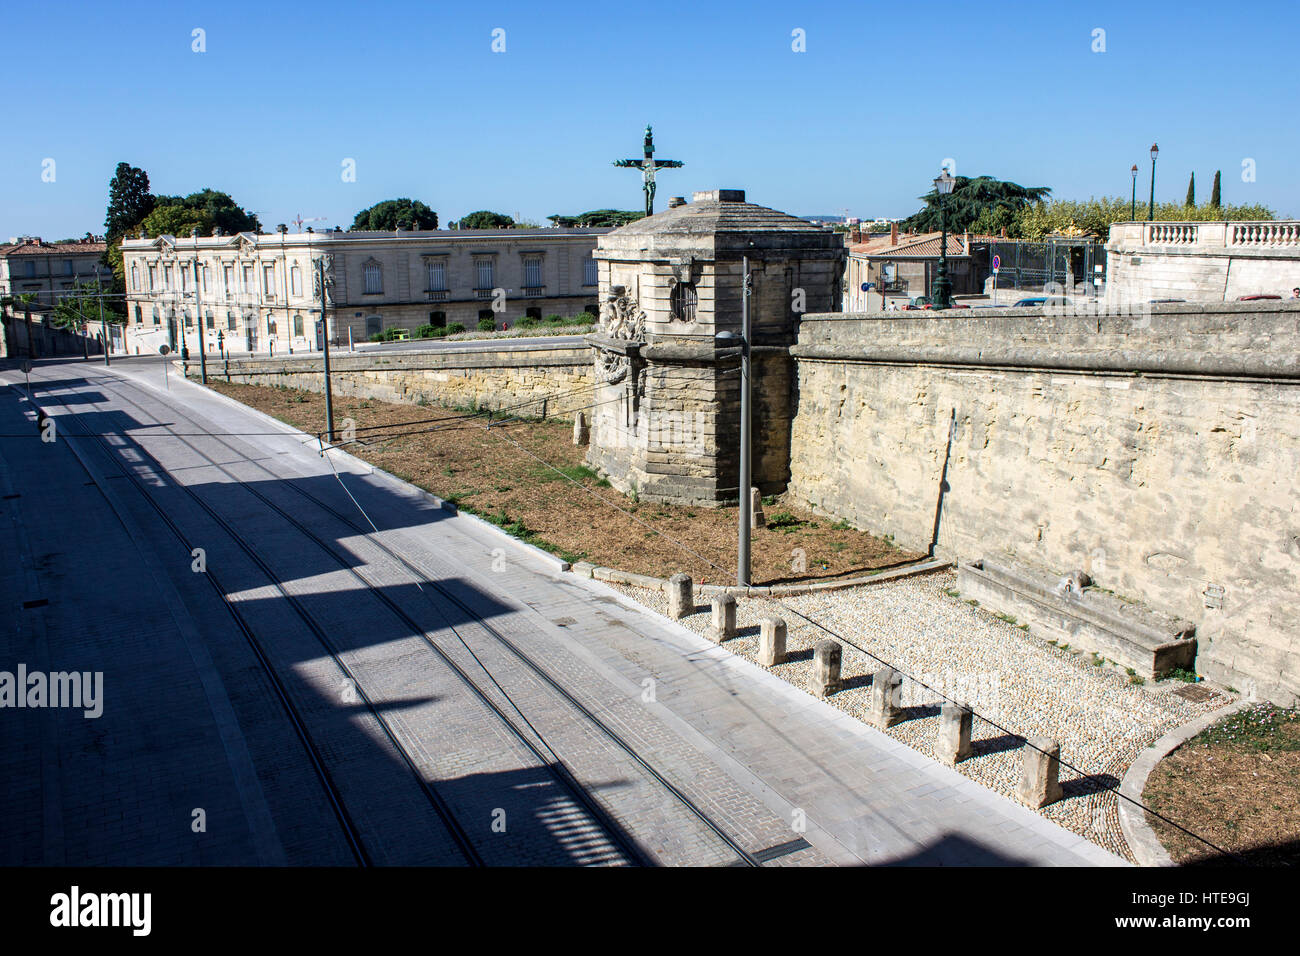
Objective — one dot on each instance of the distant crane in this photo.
(299, 220)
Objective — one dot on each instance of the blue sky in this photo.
(860, 121)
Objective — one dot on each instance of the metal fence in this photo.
(1065, 264)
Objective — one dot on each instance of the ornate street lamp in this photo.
(1151, 209)
(1133, 204)
(941, 292)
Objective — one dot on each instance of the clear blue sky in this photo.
(414, 94)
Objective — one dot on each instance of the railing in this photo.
(534, 291)
(437, 295)
(1171, 233)
(482, 293)
(1279, 234)
(1264, 233)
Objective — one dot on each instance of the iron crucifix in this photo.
(648, 165)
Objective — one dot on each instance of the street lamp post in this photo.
(1151, 209)
(325, 343)
(941, 293)
(1133, 203)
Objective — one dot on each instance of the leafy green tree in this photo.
(1216, 197)
(395, 214)
(81, 306)
(975, 199)
(1190, 202)
(129, 201)
(1073, 217)
(483, 219)
(599, 217)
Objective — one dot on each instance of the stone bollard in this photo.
(886, 695)
(756, 518)
(826, 668)
(953, 745)
(681, 596)
(581, 433)
(724, 619)
(1039, 784)
(771, 641)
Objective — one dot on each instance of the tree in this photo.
(483, 219)
(81, 306)
(129, 201)
(1063, 217)
(1190, 202)
(1216, 198)
(979, 199)
(599, 217)
(395, 214)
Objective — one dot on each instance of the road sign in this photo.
(997, 263)
(868, 286)
(27, 367)
(164, 349)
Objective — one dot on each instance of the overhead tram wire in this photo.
(634, 852)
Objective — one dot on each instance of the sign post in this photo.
(997, 264)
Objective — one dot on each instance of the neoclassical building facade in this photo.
(258, 292)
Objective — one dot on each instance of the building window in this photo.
(437, 276)
(483, 274)
(157, 320)
(297, 326)
(67, 267)
(438, 319)
(135, 277)
(31, 269)
(167, 277)
(211, 321)
(684, 299)
(590, 273)
(189, 319)
(295, 279)
(374, 275)
(487, 314)
(533, 313)
(230, 321)
(268, 281)
(185, 278)
(374, 325)
(532, 272)
(207, 278)
(228, 274)
(248, 278)
(270, 327)
(139, 316)
(153, 277)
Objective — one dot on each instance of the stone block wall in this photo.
(488, 376)
(1159, 453)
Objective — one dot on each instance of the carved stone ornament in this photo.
(621, 318)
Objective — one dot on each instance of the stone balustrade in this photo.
(1268, 235)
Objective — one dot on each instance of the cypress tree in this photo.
(1215, 196)
(1191, 192)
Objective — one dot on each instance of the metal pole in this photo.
(742, 561)
(1133, 203)
(1151, 209)
(103, 324)
(198, 317)
(325, 343)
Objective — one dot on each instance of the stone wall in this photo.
(489, 376)
(1202, 262)
(1159, 453)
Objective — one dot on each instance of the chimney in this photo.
(1002, 233)
(893, 233)
(855, 232)
(965, 243)
(676, 201)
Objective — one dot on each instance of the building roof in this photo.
(39, 247)
(715, 211)
(922, 245)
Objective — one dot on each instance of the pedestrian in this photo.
(1295, 293)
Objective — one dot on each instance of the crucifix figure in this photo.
(648, 165)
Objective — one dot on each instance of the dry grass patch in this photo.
(1237, 784)
(529, 478)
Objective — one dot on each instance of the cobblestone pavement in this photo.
(674, 741)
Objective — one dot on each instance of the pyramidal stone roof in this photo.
(717, 222)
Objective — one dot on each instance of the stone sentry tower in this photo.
(666, 419)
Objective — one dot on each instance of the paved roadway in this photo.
(428, 693)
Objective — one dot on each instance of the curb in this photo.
(556, 564)
(1142, 840)
(614, 576)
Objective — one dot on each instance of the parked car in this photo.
(401, 335)
(1034, 302)
(1158, 301)
(1255, 298)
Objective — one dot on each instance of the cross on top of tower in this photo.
(648, 166)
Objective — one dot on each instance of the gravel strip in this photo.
(1018, 685)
